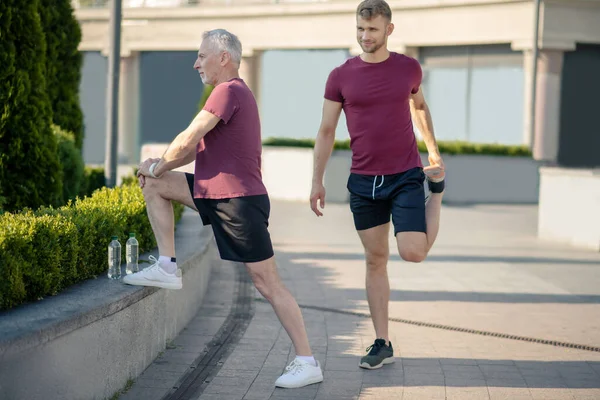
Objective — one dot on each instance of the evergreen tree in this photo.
(63, 65)
(30, 172)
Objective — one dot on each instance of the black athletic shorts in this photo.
(373, 199)
(240, 225)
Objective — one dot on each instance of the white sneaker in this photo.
(300, 373)
(154, 275)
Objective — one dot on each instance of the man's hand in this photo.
(317, 194)
(144, 170)
(435, 159)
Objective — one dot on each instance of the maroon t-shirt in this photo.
(375, 99)
(228, 158)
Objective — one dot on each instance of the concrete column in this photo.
(250, 69)
(129, 101)
(547, 109)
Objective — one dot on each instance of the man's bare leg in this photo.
(414, 246)
(433, 210)
(158, 194)
(266, 279)
(375, 242)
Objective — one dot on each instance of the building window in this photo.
(475, 93)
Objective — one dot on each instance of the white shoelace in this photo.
(294, 368)
(154, 266)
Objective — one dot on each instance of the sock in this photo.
(169, 264)
(308, 359)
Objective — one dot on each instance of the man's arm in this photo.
(182, 150)
(323, 147)
(422, 117)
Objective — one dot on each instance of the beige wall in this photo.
(331, 25)
(558, 218)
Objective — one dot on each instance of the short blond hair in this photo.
(368, 9)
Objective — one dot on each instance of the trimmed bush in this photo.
(93, 179)
(492, 149)
(63, 65)
(108, 212)
(30, 174)
(71, 162)
(37, 255)
(45, 251)
(446, 147)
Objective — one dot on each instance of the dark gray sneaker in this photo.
(378, 355)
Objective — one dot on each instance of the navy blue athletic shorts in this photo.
(240, 225)
(376, 199)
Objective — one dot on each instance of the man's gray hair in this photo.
(222, 40)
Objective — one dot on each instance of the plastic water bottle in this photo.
(114, 258)
(131, 252)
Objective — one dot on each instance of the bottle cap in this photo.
(114, 238)
(131, 234)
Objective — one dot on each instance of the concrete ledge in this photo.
(569, 210)
(287, 173)
(490, 179)
(86, 342)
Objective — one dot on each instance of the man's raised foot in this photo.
(435, 178)
(155, 276)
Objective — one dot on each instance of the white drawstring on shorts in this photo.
(375, 182)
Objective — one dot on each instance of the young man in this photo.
(378, 90)
(227, 190)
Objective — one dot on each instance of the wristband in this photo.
(151, 170)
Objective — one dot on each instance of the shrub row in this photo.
(446, 147)
(45, 251)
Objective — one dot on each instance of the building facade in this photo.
(477, 57)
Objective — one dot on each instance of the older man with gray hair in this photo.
(227, 191)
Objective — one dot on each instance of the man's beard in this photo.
(372, 49)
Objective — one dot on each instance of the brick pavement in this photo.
(487, 271)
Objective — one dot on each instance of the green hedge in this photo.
(37, 256)
(45, 251)
(446, 147)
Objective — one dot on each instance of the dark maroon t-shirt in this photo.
(375, 99)
(228, 158)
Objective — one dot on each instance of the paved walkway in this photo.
(487, 272)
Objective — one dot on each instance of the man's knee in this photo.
(162, 187)
(412, 246)
(151, 187)
(376, 261)
(413, 253)
(265, 278)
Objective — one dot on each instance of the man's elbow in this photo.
(326, 132)
(419, 105)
